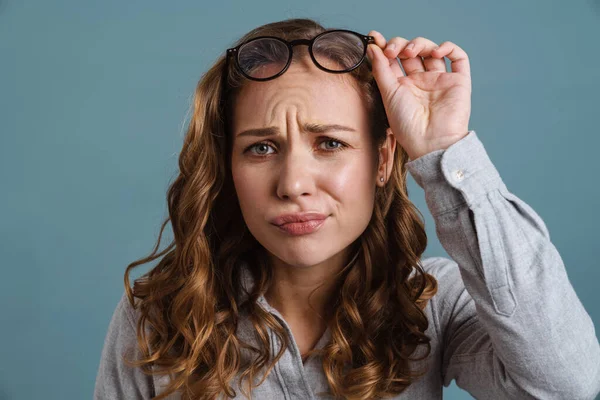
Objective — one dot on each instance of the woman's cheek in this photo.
(252, 186)
(347, 179)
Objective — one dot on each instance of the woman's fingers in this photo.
(379, 39)
(416, 55)
(398, 47)
(458, 57)
(385, 75)
(422, 56)
(411, 60)
(392, 60)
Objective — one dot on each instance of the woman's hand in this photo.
(428, 108)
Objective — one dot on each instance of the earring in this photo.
(381, 179)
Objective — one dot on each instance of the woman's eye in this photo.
(260, 147)
(333, 141)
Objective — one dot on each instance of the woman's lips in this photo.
(302, 228)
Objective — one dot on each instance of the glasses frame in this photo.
(234, 52)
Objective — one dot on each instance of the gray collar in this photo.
(247, 282)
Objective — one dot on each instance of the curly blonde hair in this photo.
(189, 300)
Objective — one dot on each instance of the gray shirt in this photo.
(506, 322)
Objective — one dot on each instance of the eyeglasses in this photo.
(267, 57)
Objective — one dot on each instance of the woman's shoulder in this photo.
(451, 291)
(125, 313)
(122, 329)
(115, 379)
(452, 296)
(122, 326)
(440, 266)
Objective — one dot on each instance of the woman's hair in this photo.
(190, 299)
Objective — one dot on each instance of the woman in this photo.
(296, 264)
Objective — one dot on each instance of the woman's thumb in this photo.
(380, 65)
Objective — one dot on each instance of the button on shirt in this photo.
(459, 175)
(505, 323)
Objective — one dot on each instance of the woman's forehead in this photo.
(310, 96)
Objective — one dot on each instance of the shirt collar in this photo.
(247, 282)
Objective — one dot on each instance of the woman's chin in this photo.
(302, 257)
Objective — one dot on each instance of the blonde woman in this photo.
(296, 272)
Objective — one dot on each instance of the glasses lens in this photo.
(263, 58)
(338, 51)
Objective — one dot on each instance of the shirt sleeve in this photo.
(116, 380)
(510, 322)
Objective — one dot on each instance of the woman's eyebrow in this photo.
(308, 127)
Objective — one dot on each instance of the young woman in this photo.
(295, 271)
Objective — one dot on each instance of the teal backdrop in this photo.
(94, 102)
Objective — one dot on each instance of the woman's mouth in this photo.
(302, 228)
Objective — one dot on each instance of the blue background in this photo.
(94, 101)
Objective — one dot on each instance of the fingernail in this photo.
(392, 46)
(410, 46)
(370, 52)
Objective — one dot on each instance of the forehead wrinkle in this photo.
(293, 94)
(292, 107)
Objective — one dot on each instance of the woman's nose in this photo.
(296, 175)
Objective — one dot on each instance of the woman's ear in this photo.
(386, 157)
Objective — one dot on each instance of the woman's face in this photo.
(301, 166)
